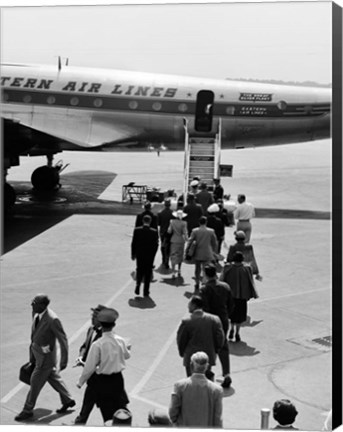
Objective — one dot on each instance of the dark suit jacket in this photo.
(43, 345)
(144, 244)
(200, 332)
(139, 219)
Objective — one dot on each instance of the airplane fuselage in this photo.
(117, 110)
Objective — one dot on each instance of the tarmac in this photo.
(76, 249)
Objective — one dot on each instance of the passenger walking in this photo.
(178, 231)
(46, 329)
(238, 275)
(201, 331)
(216, 223)
(193, 211)
(204, 197)
(106, 360)
(218, 191)
(144, 246)
(248, 253)
(205, 249)
(230, 207)
(244, 213)
(218, 301)
(147, 211)
(197, 401)
(163, 219)
(94, 332)
(194, 186)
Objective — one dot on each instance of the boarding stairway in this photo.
(202, 156)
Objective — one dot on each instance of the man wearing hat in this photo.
(106, 357)
(144, 246)
(94, 332)
(46, 328)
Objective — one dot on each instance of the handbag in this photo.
(26, 372)
(191, 249)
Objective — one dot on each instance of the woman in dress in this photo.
(239, 276)
(179, 235)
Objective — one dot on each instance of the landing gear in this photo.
(47, 178)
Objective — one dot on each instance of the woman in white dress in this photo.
(179, 235)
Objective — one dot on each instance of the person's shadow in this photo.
(250, 323)
(242, 349)
(142, 302)
(177, 281)
(46, 416)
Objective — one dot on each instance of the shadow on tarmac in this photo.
(142, 303)
(249, 323)
(241, 349)
(35, 213)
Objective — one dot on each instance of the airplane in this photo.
(47, 109)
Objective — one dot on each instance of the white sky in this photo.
(282, 40)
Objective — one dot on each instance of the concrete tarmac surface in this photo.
(76, 249)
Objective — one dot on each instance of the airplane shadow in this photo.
(241, 349)
(35, 213)
(142, 303)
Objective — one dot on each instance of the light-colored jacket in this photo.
(206, 243)
(178, 230)
(196, 402)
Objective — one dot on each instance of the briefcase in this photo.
(26, 372)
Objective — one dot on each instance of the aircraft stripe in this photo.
(158, 106)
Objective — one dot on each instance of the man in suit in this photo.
(204, 197)
(200, 331)
(94, 332)
(193, 211)
(46, 328)
(218, 301)
(206, 248)
(163, 219)
(146, 211)
(196, 401)
(144, 246)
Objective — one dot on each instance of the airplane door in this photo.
(204, 111)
